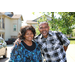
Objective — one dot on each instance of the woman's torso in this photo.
(24, 53)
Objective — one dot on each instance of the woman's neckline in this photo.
(28, 43)
(29, 50)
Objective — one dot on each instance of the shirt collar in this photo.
(50, 33)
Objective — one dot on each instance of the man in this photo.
(51, 47)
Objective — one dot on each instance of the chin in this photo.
(45, 35)
(30, 40)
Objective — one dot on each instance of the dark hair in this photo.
(23, 30)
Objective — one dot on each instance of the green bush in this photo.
(73, 33)
(71, 38)
(72, 41)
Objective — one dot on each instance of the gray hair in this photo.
(43, 23)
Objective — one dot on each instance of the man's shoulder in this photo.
(58, 32)
(55, 32)
(37, 36)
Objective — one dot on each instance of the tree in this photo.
(68, 21)
(72, 14)
(62, 24)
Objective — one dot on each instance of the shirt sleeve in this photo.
(64, 39)
(14, 54)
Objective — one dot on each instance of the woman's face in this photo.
(29, 35)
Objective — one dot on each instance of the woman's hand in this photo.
(17, 41)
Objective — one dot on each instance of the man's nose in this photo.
(44, 28)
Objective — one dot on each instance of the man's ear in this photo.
(49, 27)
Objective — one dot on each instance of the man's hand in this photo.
(17, 41)
(65, 48)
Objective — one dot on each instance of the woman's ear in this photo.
(24, 36)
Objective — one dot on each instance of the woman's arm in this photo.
(14, 54)
(39, 55)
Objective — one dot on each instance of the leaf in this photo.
(33, 13)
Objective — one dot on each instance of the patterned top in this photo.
(21, 54)
(51, 47)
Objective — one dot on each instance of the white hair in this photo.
(42, 23)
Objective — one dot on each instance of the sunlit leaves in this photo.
(63, 24)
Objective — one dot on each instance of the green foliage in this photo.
(33, 13)
(63, 24)
(37, 31)
(68, 21)
(72, 41)
(72, 14)
(73, 33)
(43, 18)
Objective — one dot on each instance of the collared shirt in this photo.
(51, 47)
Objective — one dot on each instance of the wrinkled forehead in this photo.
(43, 23)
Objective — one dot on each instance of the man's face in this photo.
(44, 29)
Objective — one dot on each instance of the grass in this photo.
(72, 41)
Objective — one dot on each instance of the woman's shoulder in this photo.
(17, 46)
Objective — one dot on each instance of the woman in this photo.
(28, 50)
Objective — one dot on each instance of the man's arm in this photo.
(65, 41)
(17, 41)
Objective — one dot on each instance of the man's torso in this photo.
(51, 48)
